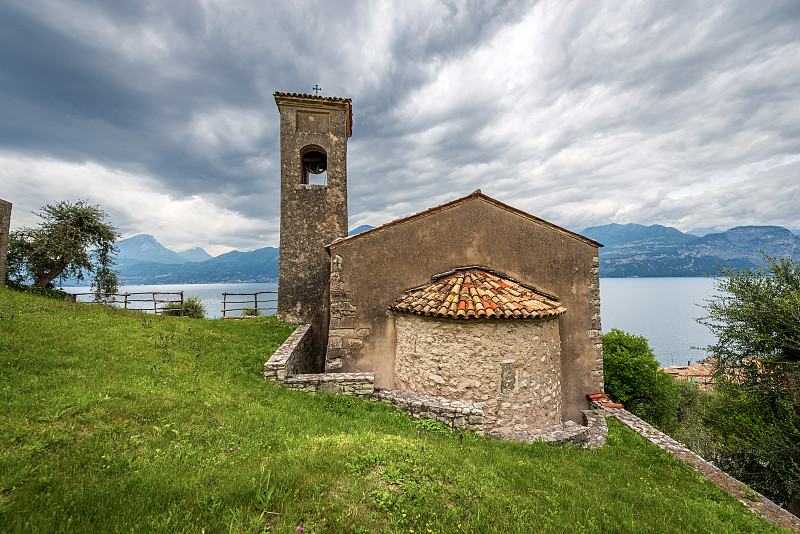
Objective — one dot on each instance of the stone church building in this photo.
(473, 300)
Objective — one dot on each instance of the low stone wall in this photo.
(353, 384)
(282, 367)
(461, 415)
(285, 360)
(752, 500)
(595, 421)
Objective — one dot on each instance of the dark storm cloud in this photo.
(583, 113)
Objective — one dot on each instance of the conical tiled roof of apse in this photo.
(477, 294)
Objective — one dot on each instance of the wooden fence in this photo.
(155, 301)
(254, 300)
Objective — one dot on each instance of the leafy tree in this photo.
(71, 239)
(755, 417)
(633, 378)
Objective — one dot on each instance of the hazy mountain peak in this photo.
(704, 231)
(362, 228)
(196, 254)
(144, 247)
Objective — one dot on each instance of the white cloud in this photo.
(132, 202)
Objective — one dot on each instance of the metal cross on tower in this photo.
(316, 89)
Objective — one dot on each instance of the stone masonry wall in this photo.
(285, 361)
(461, 415)
(5, 223)
(511, 367)
(312, 215)
(596, 333)
(351, 384)
(344, 337)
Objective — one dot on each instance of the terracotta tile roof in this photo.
(603, 399)
(280, 94)
(477, 294)
(702, 375)
(472, 196)
(315, 97)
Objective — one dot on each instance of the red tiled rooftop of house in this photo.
(477, 294)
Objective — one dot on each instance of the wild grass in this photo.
(116, 421)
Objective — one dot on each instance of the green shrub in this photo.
(250, 312)
(42, 291)
(192, 307)
(633, 378)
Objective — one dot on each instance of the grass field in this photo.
(114, 421)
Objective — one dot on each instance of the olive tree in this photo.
(72, 239)
(755, 417)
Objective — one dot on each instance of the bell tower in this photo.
(314, 133)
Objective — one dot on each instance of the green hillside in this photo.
(115, 421)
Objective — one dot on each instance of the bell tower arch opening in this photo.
(314, 163)
(313, 136)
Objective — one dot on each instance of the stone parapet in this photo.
(754, 501)
(461, 415)
(595, 421)
(282, 367)
(352, 384)
(285, 360)
(565, 433)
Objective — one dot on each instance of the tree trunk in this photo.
(42, 278)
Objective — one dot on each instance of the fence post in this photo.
(255, 302)
(224, 303)
(126, 300)
(181, 303)
(155, 305)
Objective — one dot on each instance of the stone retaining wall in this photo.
(285, 360)
(352, 384)
(283, 365)
(752, 500)
(461, 415)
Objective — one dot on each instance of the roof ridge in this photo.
(477, 194)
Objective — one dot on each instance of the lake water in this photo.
(209, 294)
(664, 310)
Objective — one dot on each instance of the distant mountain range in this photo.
(143, 260)
(637, 250)
(630, 250)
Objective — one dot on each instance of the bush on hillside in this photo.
(250, 312)
(48, 292)
(633, 378)
(192, 307)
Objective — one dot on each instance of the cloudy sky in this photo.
(680, 113)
